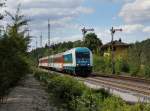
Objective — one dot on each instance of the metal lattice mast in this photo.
(48, 33)
(36, 43)
(41, 39)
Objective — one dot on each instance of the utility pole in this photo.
(48, 33)
(84, 31)
(41, 38)
(112, 48)
(36, 43)
(49, 43)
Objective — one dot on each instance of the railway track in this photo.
(130, 84)
(137, 79)
(134, 84)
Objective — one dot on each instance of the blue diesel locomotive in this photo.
(77, 61)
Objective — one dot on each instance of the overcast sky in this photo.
(67, 17)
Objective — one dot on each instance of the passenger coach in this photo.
(77, 61)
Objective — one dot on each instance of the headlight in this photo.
(88, 64)
(77, 64)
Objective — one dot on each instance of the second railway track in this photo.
(126, 84)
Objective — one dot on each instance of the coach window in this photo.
(68, 58)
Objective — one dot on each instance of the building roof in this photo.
(116, 43)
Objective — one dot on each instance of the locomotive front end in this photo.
(84, 61)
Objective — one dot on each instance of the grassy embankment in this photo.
(66, 93)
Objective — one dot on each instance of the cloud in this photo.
(131, 28)
(131, 33)
(54, 9)
(147, 29)
(114, 1)
(120, 0)
(60, 12)
(137, 11)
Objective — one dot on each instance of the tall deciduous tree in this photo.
(92, 42)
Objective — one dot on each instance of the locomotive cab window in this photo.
(81, 55)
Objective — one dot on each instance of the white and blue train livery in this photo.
(77, 61)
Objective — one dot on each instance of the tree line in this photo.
(91, 41)
(137, 62)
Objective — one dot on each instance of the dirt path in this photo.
(28, 96)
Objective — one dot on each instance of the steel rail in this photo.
(117, 84)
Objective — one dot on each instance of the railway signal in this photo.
(84, 31)
(112, 47)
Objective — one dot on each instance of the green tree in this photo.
(78, 43)
(17, 31)
(13, 53)
(2, 4)
(92, 42)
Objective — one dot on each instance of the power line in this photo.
(36, 43)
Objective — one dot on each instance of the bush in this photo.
(102, 64)
(125, 66)
(99, 64)
(134, 69)
(114, 104)
(147, 71)
(146, 107)
(13, 66)
(118, 65)
(65, 88)
(91, 100)
(121, 65)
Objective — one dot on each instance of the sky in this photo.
(68, 17)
